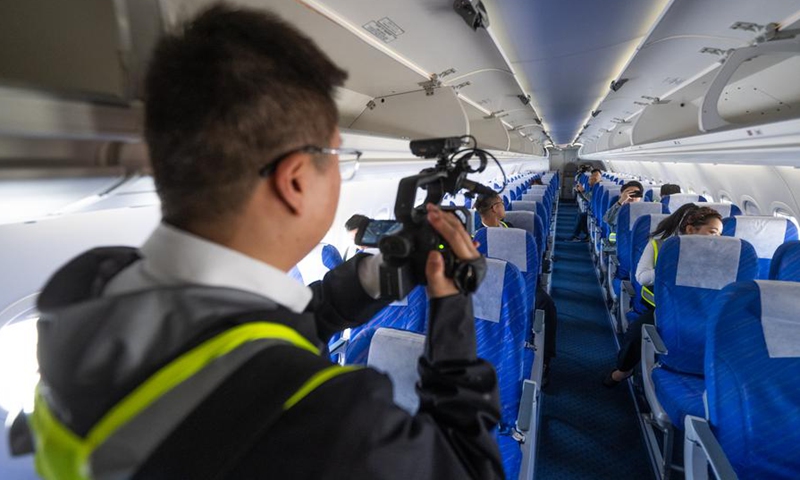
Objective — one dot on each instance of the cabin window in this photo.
(751, 207)
(779, 212)
(725, 198)
(19, 368)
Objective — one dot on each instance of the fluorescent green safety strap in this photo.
(647, 294)
(62, 454)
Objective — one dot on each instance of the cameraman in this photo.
(197, 356)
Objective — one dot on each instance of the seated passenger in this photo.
(492, 211)
(537, 181)
(629, 193)
(689, 219)
(669, 189)
(352, 225)
(582, 222)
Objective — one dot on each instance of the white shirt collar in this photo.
(173, 257)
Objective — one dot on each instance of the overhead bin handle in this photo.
(710, 119)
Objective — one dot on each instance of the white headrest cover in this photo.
(523, 220)
(677, 200)
(524, 205)
(488, 300)
(655, 219)
(638, 209)
(780, 304)
(724, 209)
(708, 262)
(397, 352)
(766, 234)
(508, 244)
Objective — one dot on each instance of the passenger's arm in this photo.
(346, 296)
(611, 215)
(646, 270)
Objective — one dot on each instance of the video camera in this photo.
(406, 241)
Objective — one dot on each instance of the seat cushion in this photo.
(680, 394)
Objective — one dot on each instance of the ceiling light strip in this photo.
(639, 46)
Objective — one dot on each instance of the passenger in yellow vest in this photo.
(197, 356)
(689, 219)
(492, 211)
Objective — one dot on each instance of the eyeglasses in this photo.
(348, 159)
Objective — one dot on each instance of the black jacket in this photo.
(348, 427)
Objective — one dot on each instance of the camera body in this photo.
(406, 242)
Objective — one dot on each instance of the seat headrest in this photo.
(724, 209)
(523, 220)
(707, 261)
(638, 209)
(487, 302)
(533, 197)
(766, 234)
(677, 200)
(510, 244)
(397, 352)
(655, 219)
(524, 205)
(780, 302)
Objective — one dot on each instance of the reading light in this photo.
(618, 84)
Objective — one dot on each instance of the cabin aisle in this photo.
(587, 430)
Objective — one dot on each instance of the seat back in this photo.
(677, 200)
(502, 326)
(691, 272)
(786, 262)
(531, 223)
(628, 214)
(652, 193)
(316, 264)
(537, 207)
(766, 234)
(751, 364)
(409, 314)
(724, 209)
(516, 246)
(396, 353)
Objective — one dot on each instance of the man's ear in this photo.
(290, 181)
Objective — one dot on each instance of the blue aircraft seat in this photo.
(766, 234)
(516, 246)
(409, 314)
(316, 264)
(628, 214)
(691, 272)
(502, 323)
(531, 223)
(677, 200)
(751, 363)
(724, 209)
(396, 353)
(538, 208)
(786, 262)
(652, 193)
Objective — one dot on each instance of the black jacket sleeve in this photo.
(340, 300)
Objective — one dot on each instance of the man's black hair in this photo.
(669, 189)
(485, 201)
(631, 184)
(597, 170)
(355, 222)
(231, 91)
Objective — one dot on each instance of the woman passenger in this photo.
(689, 219)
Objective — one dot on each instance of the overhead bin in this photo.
(488, 130)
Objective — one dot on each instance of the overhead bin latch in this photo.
(435, 81)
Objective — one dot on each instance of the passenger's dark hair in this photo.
(632, 184)
(688, 214)
(485, 201)
(231, 91)
(537, 181)
(669, 189)
(355, 222)
(596, 170)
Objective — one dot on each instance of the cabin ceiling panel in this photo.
(570, 50)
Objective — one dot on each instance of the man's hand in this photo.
(626, 197)
(579, 187)
(450, 228)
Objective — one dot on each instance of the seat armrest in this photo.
(652, 344)
(538, 322)
(628, 286)
(701, 449)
